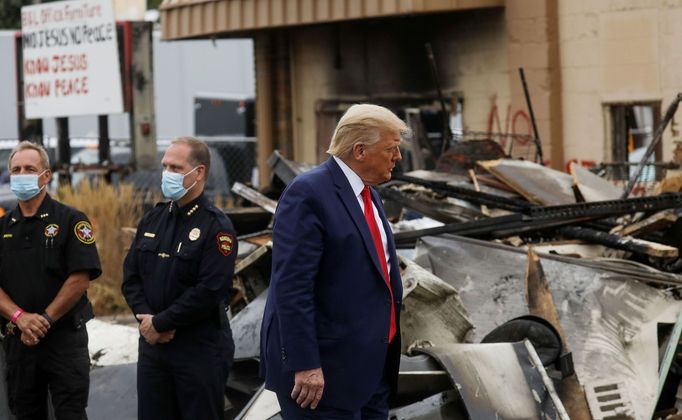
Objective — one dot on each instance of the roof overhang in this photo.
(181, 19)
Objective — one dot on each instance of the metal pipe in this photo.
(538, 144)
(447, 134)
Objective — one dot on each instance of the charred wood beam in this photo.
(608, 208)
(514, 224)
(428, 209)
(625, 243)
(654, 223)
(592, 209)
(538, 218)
(477, 228)
(541, 303)
(462, 193)
(529, 226)
(608, 225)
(505, 226)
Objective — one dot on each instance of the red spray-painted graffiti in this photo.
(584, 163)
(517, 125)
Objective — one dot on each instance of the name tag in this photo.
(149, 235)
(7, 235)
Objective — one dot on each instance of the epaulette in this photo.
(223, 221)
(215, 210)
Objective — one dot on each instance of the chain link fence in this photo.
(233, 160)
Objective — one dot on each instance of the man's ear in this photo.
(359, 151)
(201, 172)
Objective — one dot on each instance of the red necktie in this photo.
(378, 244)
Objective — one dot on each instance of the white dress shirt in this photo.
(357, 186)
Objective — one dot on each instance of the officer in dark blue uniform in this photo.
(47, 259)
(177, 276)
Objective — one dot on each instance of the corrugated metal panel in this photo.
(200, 18)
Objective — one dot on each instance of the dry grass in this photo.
(110, 209)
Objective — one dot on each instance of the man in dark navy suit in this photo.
(330, 339)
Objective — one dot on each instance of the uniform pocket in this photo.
(186, 264)
(147, 250)
(54, 258)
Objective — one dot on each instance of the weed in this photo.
(111, 209)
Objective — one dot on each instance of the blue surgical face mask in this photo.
(25, 186)
(171, 184)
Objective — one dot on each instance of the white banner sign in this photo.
(70, 59)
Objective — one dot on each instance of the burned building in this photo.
(599, 73)
(314, 59)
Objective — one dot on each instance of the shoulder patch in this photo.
(225, 242)
(84, 232)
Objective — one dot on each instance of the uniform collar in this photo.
(44, 211)
(190, 208)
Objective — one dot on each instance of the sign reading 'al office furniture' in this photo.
(70, 59)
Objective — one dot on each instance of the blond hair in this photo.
(27, 145)
(364, 124)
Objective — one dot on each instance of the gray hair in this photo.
(27, 145)
(364, 124)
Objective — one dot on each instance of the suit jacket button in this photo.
(385, 340)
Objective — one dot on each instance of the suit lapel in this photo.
(350, 203)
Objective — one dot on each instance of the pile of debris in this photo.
(528, 293)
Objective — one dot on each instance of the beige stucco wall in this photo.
(607, 52)
(615, 51)
(470, 47)
(533, 45)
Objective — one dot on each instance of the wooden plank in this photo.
(593, 187)
(252, 258)
(537, 183)
(484, 208)
(255, 197)
(541, 303)
(259, 240)
(657, 222)
(626, 243)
